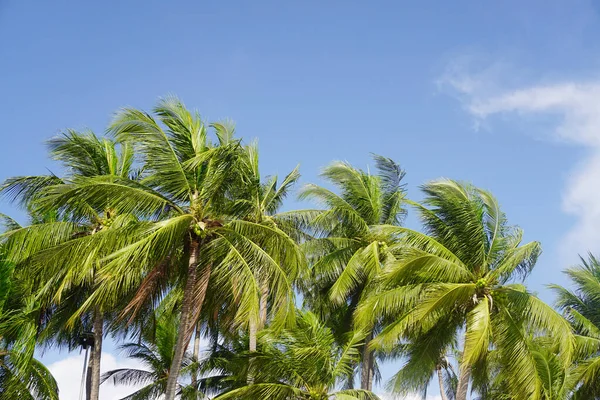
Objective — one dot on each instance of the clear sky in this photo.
(503, 94)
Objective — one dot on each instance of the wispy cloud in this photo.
(574, 109)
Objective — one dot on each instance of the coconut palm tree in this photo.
(554, 378)
(461, 275)
(193, 241)
(259, 201)
(581, 306)
(21, 375)
(31, 382)
(65, 267)
(303, 363)
(350, 250)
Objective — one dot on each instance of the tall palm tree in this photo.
(21, 375)
(193, 241)
(350, 250)
(460, 276)
(31, 382)
(554, 378)
(259, 201)
(581, 306)
(303, 363)
(65, 268)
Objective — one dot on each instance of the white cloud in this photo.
(574, 109)
(67, 373)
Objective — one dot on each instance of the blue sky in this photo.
(504, 95)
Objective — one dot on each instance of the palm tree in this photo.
(350, 250)
(155, 352)
(31, 382)
(447, 379)
(65, 268)
(259, 201)
(186, 190)
(21, 375)
(458, 277)
(303, 363)
(581, 307)
(554, 377)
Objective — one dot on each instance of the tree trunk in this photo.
(253, 332)
(186, 308)
(196, 353)
(254, 326)
(264, 303)
(96, 354)
(463, 382)
(441, 382)
(366, 370)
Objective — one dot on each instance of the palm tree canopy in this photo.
(30, 382)
(348, 249)
(460, 274)
(581, 307)
(186, 185)
(303, 363)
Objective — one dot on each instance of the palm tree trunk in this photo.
(96, 354)
(196, 353)
(264, 299)
(366, 370)
(253, 332)
(254, 326)
(463, 382)
(441, 382)
(184, 322)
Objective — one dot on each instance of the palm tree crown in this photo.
(303, 363)
(581, 307)
(349, 249)
(457, 276)
(186, 191)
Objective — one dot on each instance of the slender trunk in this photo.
(253, 326)
(196, 354)
(253, 332)
(186, 308)
(264, 302)
(441, 382)
(95, 358)
(366, 370)
(463, 382)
